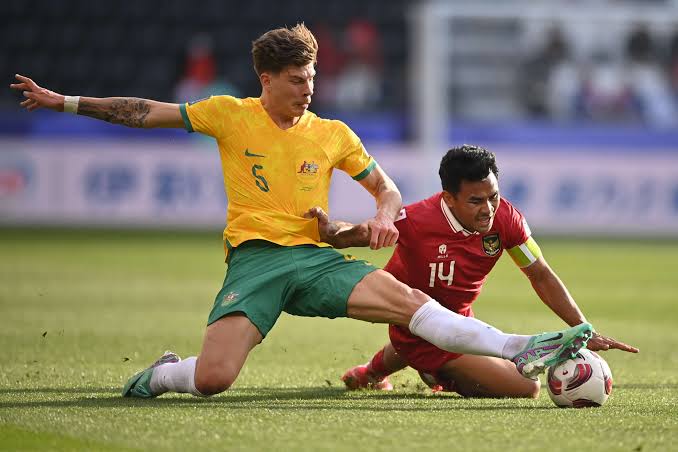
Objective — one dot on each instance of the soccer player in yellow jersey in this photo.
(278, 159)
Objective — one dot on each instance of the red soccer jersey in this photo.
(436, 255)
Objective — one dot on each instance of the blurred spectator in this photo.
(200, 74)
(359, 84)
(647, 81)
(550, 79)
(330, 63)
(606, 94)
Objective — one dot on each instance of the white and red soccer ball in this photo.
(585, 381)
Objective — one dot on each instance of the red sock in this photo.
(376, 365)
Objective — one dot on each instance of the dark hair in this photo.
(282, 47)
(466, 162)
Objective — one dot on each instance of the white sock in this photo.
(455, 333)
(514, 345)
(175, 377)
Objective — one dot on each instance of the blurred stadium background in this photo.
(579, 99)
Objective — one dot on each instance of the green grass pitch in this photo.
(80, 311)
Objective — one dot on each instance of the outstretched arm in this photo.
(339, 234)
(555, 295)
(128, 111)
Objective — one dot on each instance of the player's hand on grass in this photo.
(37, 96)
(382, 231)
(600, 343)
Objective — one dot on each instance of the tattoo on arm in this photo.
(128, 111)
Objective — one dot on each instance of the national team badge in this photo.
(442, 249)
(308, 168)
(308, 174)
(491, 244)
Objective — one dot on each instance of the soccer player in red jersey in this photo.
(447, 246)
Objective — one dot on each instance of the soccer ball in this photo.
(585, 381)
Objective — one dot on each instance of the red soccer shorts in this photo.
(417, 352)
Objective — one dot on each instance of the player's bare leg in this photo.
(226, 345)
(485, 376)
(379, 297)
(374, 374)
(225, 348)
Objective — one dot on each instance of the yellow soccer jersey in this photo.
(273, 176)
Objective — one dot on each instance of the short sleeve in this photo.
(519, 243)
(516, 230)
(404, 227)
(397, 264)
(206, 116)
(353, 158)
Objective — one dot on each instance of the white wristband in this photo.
(71, 104)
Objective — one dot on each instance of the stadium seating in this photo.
(136, 48)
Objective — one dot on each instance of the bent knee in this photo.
(409, 303)
(532, 389)
(528, 389)
(214, 381)
(415, 299)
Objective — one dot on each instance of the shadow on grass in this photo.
(319, 398)
(85, 390)
(648, 386)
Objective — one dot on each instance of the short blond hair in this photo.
(282, 47)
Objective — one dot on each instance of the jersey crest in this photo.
(308, 174)
(308, 168)
(491, 244)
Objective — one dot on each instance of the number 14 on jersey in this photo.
(439, 269)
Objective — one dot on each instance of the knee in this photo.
(415, 299)
(409, 302)
(532, 389)
(525, 389)
(213, 380)
(528, 389)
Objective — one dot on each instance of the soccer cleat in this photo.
(548, 349)
(360, 377)
(140, 384)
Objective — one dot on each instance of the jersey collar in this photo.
(452, 221)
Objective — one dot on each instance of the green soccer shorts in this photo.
(264, 279)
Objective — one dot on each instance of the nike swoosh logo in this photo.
(249, 154)
(554, 338)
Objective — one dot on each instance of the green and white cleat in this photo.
(548, 349)
(140, 384)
